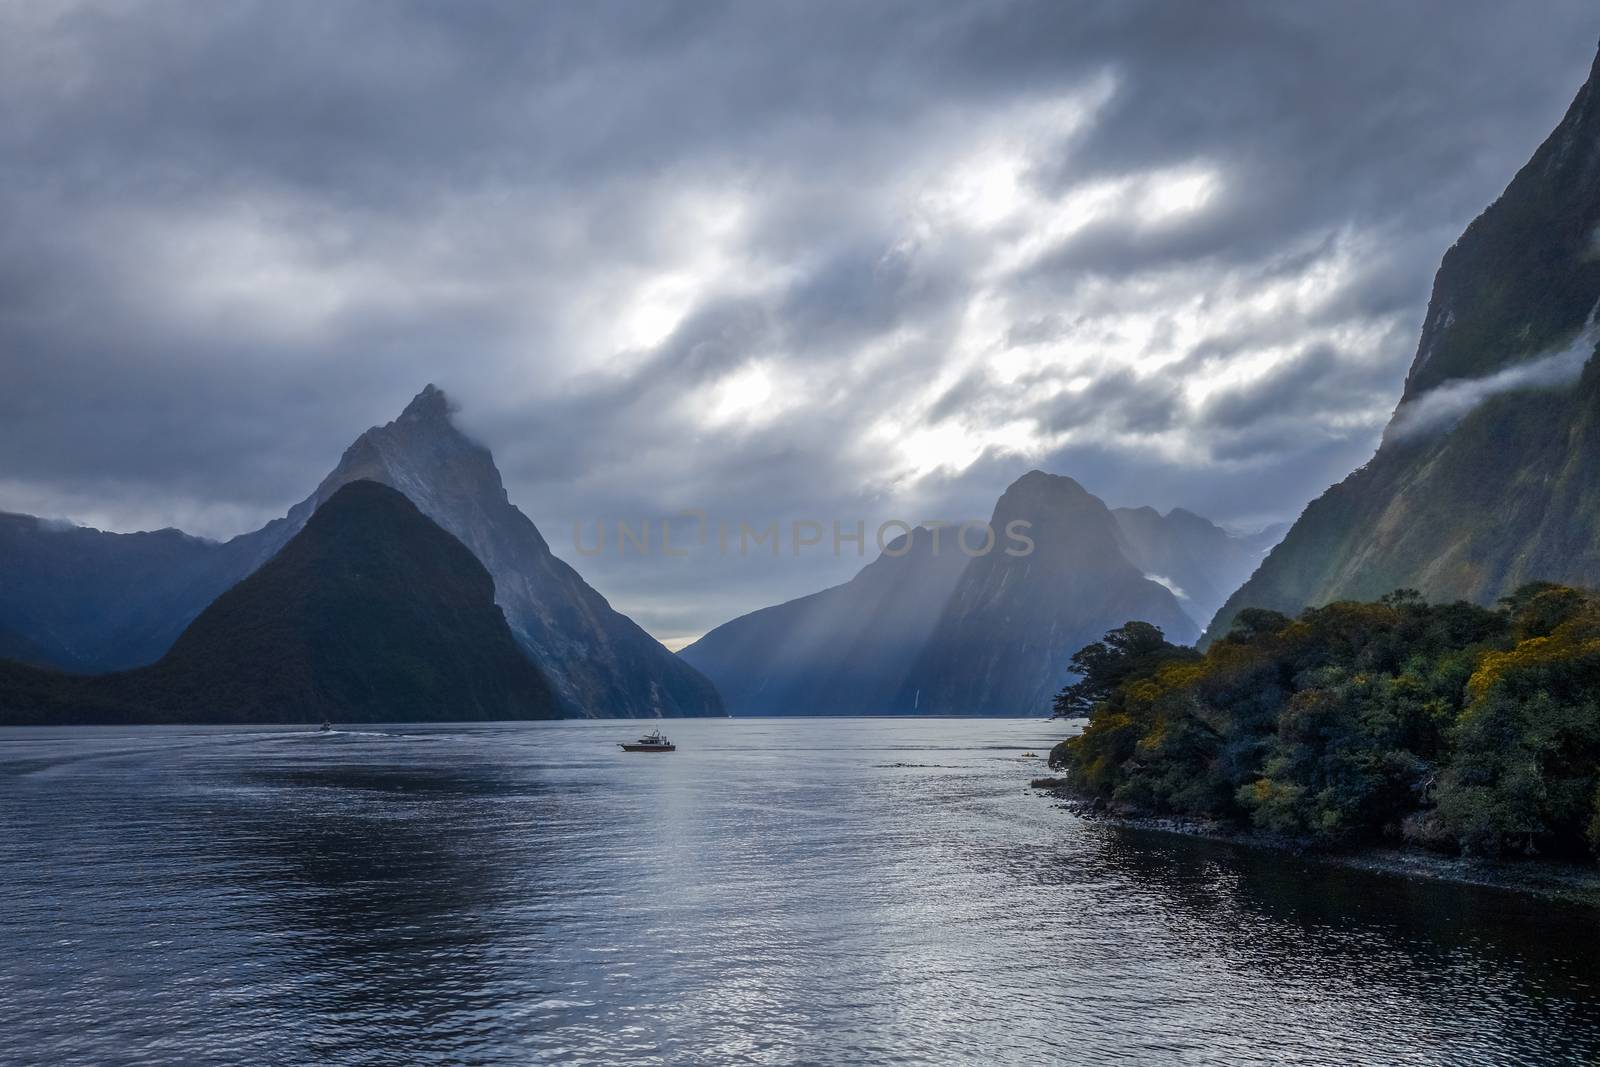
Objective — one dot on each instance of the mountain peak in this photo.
(1037, 482)
(431, 404)
(599, 661)
(1192, 520)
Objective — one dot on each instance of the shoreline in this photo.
(1564, 882)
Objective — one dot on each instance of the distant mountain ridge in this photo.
(1199, 561)
(371, 613)
(87, 600)
(947, 633)
(843, 651)
(1488, 476)
(92, 601)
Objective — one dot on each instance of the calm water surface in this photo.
(777, 891)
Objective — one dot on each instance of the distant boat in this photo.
(652, 742)
(326, 727)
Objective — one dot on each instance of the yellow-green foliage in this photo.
(1340, 724)
(1523, 777)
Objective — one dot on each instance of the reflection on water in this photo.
(777, 891)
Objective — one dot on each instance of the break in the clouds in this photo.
(772, 261)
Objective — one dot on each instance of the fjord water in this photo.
(777, 891)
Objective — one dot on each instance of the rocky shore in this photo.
(1554, 881)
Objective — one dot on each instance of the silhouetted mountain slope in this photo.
(370, 613)
(1008, 629)
(98, 601)
(21, 648)
(88, 600)
(1198, 560)
(842, 651)
(943, 632)
(600, 661)
(1489, 473)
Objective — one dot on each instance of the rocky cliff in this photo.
(1488, 475)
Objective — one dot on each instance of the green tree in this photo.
(1133, 649)
(1446, 724)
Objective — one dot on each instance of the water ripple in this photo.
(778, 891)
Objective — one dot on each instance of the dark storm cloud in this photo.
(1318, 379)
(771, 261)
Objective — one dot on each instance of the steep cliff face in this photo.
(1525, 274)
(371, 613)
(1489, 473)
(1008, 629)
(843, 651)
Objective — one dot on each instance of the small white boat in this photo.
(652, 742)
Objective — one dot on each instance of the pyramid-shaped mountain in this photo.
(929, 628)
(1013, 621)
(600, 661)
(371, 613)
(92, 601)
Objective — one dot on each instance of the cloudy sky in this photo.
(771, 261)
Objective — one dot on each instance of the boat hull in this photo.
(649, 748)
